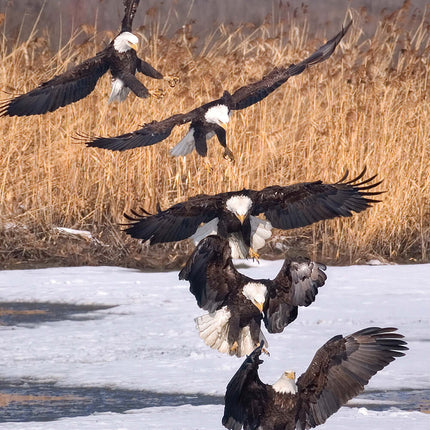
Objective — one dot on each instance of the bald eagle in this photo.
(338, 372)
(119, 57)
(212, 118)
(233, 215)
(237, 304)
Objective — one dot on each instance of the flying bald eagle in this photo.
(237, 304)
(338, 372)
(233, 215)
(119, 57)
(212, 118)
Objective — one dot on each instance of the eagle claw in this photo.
(254, 255)
(228, 155)
(234, 347)
(265, 351)
(158, 93)
(208, 166)
(171, 80)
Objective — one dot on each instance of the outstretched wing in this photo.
(149, 134)
(130, 7)
(253, 93)
(211, 273)
(302, 204)
(176, 223)
(62, 90)
(341, 368)
(246, 395)
(295, 285)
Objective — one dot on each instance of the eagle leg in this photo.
(221, 135)
(254, 255)
(233, 348)
(171, 80)
(228, 155)
(158, 93)
(208, 165)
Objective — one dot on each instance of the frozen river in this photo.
(113, 348)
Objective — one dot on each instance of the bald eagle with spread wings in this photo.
(119, 57)
(338, 372)
(233, 215)
(212, 118)
(237, 304)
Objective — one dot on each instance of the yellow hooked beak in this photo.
(133, 46)
(290, 375)
(223, 125)
(241, 218)
(259, 306)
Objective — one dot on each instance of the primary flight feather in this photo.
(237, 304)
(119, 57)
(234, 215)
(212, 118)
(338, 372)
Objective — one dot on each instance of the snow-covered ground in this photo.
(148, 340)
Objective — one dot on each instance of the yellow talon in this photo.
(171, 80)
(208, 166)
(158, 93)
(228, 155)
(234, 347)
(254, 255)
(265, 351)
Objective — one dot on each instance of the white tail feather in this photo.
(185, 146)
(119, 91)
(261, 230)
(246, 344)
(204, 230)
(213, 329)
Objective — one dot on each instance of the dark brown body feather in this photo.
(338, 372)
(286, 207)
(78, 82)
(216, 283)
(157, 131)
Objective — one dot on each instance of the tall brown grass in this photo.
(368, 105)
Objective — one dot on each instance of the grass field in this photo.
(368, 105)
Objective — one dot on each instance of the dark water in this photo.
(406, 399)
(31, 314)
(37, 401)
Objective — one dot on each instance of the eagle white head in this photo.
(256, 292)
(219, 115)
(239, 205)
(125, 41)
(286, 384)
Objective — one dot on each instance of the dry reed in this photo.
(366, 106)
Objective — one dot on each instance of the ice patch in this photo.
(136, 345)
